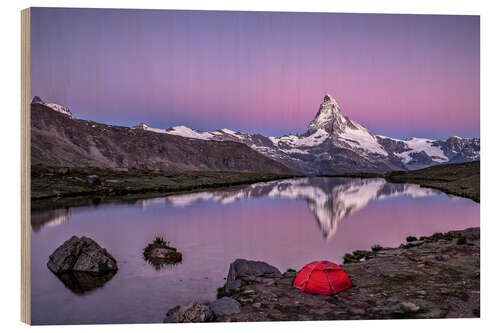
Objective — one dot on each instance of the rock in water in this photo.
(194, 312)
(250, 272)
(225, 306)
(167, 255)
(81, 255)
(159, 254)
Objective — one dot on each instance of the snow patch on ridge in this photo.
(145, 127)
(362, 139)
(56, 107)
(189, 133)
(417, 145)
(312, 140)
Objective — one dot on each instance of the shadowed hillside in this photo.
(58, 139)
(461, 179)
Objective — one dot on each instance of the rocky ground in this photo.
(432, 277)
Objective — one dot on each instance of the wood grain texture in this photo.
(25, 167)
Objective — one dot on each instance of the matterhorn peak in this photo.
(329, 100)
(328, 116)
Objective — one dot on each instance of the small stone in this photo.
(443, 257)
(245, 300)
(94, 180)
(422, 292)
(358, 311)
(248, 291)
(63, 171)
(225, 306)
(409, 307)
(413, 244)
(194, 312)
(257, 305)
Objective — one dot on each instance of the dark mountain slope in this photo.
(57, 139)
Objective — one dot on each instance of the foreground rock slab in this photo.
(81, 255)
(404, 282)
(244, 272)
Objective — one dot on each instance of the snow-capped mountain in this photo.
(330, 200)
(418, 153)
(56, 107)
(335, 144)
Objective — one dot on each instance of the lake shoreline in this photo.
(54, 187)
(419, 279)
(86, 185)
(460, 179)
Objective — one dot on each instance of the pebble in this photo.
(409, 307)
(257, 305)
(248, 291)
(358, 311)
(442, 257)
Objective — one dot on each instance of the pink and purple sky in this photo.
(259, 72)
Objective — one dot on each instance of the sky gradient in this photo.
(259, 72)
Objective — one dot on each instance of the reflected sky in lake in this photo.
(286, 223)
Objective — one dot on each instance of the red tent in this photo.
(322, 277)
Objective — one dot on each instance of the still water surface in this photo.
(286, 223)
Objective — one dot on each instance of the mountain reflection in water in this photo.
(330, 200)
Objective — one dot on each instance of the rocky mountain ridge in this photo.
(58, 139)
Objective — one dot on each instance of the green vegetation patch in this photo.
(159, 259)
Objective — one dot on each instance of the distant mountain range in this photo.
(332, 144)
(335, 144)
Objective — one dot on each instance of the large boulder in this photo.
(225, 306)
(250, 272)
(81, 255)
(194, 312)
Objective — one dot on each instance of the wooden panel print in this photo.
(198, 166)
